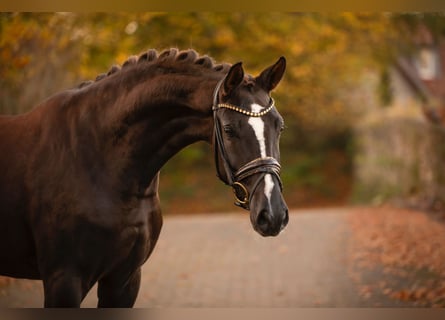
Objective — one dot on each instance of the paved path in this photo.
(218, 260)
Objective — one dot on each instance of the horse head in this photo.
(246, 139)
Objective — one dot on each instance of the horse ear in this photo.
(233, 79)
(270, 77)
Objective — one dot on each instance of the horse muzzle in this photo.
(269, 214)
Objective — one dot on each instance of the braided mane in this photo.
(174, 55)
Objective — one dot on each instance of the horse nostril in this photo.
(286, 219)
(263, 220)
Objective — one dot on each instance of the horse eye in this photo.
(229, 131)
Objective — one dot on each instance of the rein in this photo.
(261, 165)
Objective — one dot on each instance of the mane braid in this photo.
(171, 55)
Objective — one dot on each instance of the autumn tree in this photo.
(328, 55)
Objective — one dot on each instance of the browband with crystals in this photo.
(243, 111)
(217, 105)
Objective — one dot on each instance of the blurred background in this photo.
(362, 97)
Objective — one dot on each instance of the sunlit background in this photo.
(362, 97)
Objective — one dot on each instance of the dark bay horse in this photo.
(79, 173)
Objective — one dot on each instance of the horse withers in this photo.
(79, 173)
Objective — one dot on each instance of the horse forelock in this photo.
(171, 56)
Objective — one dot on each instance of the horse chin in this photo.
(264, 233)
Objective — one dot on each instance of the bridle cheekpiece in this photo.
(263, 165)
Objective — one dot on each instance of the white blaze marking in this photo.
(268, 186)
(257, 125)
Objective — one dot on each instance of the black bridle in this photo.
(235, 177)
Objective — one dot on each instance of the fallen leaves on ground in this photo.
(398, 253)
(5, 281)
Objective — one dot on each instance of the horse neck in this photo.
(148, 122)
